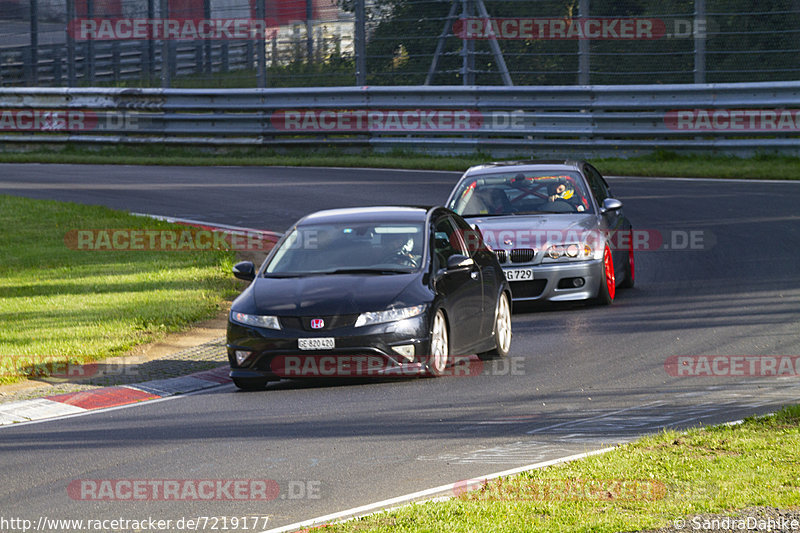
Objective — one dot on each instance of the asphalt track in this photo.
(578, 378)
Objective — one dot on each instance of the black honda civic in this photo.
(373, 291)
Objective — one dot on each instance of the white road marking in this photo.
(427, 495)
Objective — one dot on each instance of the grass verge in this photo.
(643, 485)
(77, 306)
(657, 164)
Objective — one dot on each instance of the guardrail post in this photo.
(70, 44)
(360, 44)
(261, 52)
(700, 28)
(583, 45)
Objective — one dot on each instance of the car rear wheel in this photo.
(502, 330)
(440, 346)
(608, 285)
(250, 383)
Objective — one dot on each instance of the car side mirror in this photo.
(457, 261)
(245, 270)
(610, 204)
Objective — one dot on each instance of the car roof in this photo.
(367, 214)
(530, 165)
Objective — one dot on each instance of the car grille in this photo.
(502, 256)
(527, 289)
(331, 322)
(522, 255)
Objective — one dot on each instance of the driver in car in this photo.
(560, 191)
(401, 246)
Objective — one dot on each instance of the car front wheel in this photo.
(440, 345)
(608, 285)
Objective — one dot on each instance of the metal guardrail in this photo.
(732, 118)
(126, 60)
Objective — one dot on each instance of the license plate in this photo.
(316, 343)
(519, 274)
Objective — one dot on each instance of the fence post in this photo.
(90, 44)
(467, 48)
(261, 52)
(309, 30)
(35, 42)
(57, 74)
(360, 44)
(70, 44)
(150, 44)
(207, 42)
(116, 64)
(166, 57)
(699, 29)
(583, 45)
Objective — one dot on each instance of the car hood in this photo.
(339, 294)
(534, 230)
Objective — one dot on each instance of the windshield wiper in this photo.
(476, 215)
(367, 271)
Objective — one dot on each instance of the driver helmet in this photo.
(562, 190)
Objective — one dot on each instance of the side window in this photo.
(596, 183)
(446, 242)
(470, 236)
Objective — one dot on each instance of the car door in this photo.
(462, 288)
(613, 220)
(492, 275)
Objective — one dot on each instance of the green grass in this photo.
(713, 470)
(657, 164)
(86, 305)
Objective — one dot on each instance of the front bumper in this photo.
(359, 352)
(551, 281)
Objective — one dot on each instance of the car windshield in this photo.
(361, 248)
(521, 193)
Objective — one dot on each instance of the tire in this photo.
(608, 285)
(250, 383)
(439, 356)
(501, 330)
(630, 271)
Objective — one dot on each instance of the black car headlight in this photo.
(390, 315)
(259, 321)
